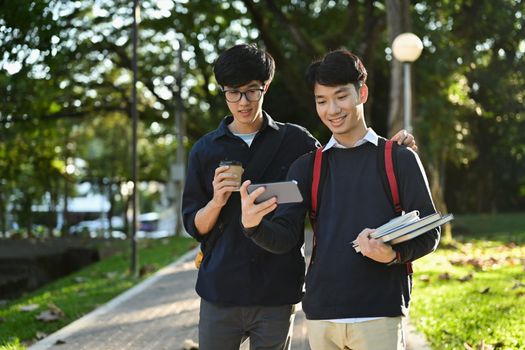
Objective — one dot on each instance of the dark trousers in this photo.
(226, 327)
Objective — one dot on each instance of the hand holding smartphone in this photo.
(285, 192)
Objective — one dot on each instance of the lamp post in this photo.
(180, 132)
(407, 48)
(134, 155)
(70, 171)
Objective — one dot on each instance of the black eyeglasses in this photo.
(251, 95)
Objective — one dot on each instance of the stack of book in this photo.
(406, 227)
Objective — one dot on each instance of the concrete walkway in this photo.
(160, 313)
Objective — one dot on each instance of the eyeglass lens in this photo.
(251, 95)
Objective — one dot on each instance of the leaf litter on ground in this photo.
(28, 308)
(52, 314)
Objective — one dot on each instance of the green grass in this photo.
(487, 309)
(83, 291)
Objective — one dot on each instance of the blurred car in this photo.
(149, 226)
(98, 228)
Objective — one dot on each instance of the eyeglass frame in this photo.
(245, 94)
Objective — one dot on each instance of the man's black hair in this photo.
(339, 67)
(242, 64)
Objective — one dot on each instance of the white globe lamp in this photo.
(407, 48)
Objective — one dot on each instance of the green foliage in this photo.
(12, 345)
(475, 57)
(474, 291)
(84, 290)
(72, 89)
(507, 227)
(29, 168)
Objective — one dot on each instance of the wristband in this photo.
(396, 260)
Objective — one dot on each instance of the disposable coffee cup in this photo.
(235, 167)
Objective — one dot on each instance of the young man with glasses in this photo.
(352, 300)
(245, 290)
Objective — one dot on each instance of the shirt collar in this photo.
(370, 136)
(223, 130)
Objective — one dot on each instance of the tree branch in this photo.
(66, 114)
(295, 83)
(294, 31)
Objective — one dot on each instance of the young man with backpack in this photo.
(352, 300)
(245, 290)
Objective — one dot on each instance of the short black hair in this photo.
(339, 67)
(243, 63)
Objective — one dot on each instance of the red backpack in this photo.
(387, 165)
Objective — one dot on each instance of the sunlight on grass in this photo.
(474, 291)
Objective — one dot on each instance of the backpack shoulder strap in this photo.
(388, 168)
(316, 179)
(319, 170)
(391, 174)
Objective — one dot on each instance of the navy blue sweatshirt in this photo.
(342, 283)
(236, 271)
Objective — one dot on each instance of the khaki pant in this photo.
(382, 334)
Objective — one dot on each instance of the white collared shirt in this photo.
(371, 137)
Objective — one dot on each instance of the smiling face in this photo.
(340, 108)
(246, 112)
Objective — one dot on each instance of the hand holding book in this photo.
(406, 227)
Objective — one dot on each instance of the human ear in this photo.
(266, 85)
(363, 93)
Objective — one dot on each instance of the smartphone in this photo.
(286, 192)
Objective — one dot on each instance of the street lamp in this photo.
(70, 171)
(178, 169)
(407, 48)
(134, 151)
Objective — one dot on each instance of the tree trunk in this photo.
(111, 198)
(65, 214)
(291, 77)
(374, 26)
(52, 211)
(436, 176)
(127, 211)
(398, 21)
(3, 221)
(27, 214)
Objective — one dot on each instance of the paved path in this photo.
(160, 313)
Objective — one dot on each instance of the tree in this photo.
(474, 70)
(398, 21)
(65, 75)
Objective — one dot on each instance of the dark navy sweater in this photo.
(238, 272)
(342, 283)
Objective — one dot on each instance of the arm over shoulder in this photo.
(301, 133)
